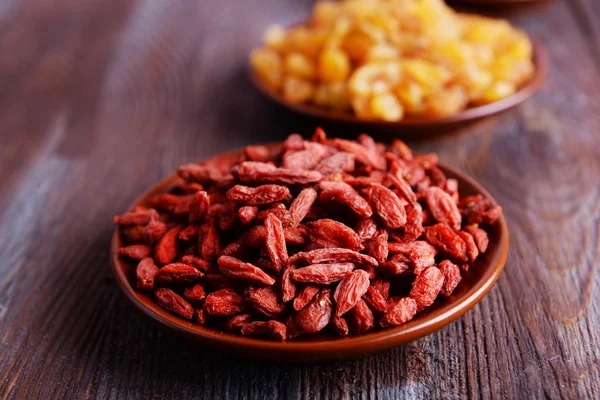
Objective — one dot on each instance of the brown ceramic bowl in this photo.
(475, 284)
(417, 127)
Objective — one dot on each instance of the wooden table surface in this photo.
(100, 99)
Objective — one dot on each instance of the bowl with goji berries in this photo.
(308, 250)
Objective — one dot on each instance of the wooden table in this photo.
(100, 99)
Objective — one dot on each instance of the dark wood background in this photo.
(100, 99)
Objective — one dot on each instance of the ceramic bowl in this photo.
(415, 127)
(476, 283)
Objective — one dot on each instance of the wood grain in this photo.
(98, 100)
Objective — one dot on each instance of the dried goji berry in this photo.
(445, 239)
(400, 312)
(322, 274)
(223, 303)
(362, 154)
(340, 325)
(210, 240)
(234, 324)
(452, 276)
(169, 300)
(257, 172)
(315, 316)
(305, 296)
(471, 246)
(301, 205)
(442, 207)
(136, 218)
(178, 274)
(396, 265)
(266, 300)
(350, 290)
(351, 199)
(195, 294)
(256, 196)
(336, 163)
(387, 206)
(189, 233)
(360, 317)
(375, 299)
(145, 273)
(236, 269)
(366, 228)
(198, 206)
(275, 241)
(136, 251)
(247, 214)
(154, 231)
(331, 233)
(378, 246)
(426, 287)
(328, 255)
(480, 236)
(265, 329)
(166, 248)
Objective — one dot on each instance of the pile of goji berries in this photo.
(320, 235)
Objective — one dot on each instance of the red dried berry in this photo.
(145, 273)
(472, 250)
(378, 246)
(396, 265)
(265, 329)
(305, 296)
(236, 269)
(301, 206)
(190, 233)
(452, 276)
(223, 303)
(195, 294)
(136, 251)
(320, 256)
(387, 206)
(234, 324)
(323, 274)
(267, 301)
(442, 207)
(142, 217)
(171, 301)
(314, 317)
(447, 241)
(350, 290)
(330, 233)
(178, 274)
(349, 198)
(340, 325)
(360, 317)
(166, 248)
(480, 236)
(196, 262)
(154, 231)
(400, 312)
(257, 172)
(375, 299)
(426, 287)
(210, 240)
(366, 229)
(275, 242)
(198, 206)
(336, 164)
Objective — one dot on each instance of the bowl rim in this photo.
(363, 344)
(532, 86)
